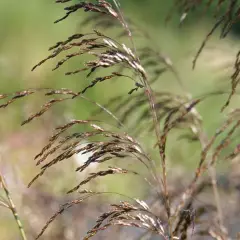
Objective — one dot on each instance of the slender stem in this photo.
(13, 208)
(212, 173)
(150, 96)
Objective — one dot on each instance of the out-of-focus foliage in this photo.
(27, 30)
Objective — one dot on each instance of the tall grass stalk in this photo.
(11, 206)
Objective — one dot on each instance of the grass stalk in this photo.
(150, 96)
(12, 207)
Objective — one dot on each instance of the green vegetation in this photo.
(28, 30)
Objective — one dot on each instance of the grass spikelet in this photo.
(44, 109)
(61, 210)
(15, 97)
(171, 209)
(92, 176)
(117, 146)
(235, 80)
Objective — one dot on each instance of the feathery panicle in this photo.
(178, 209)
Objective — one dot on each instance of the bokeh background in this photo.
(27, 31)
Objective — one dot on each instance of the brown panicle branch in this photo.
(203, 165)
(109, 53)
(123, 214)
(103, 142)
(227, 20)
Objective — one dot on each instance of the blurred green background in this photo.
(27, 31)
